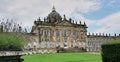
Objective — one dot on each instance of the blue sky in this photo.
(101, 16)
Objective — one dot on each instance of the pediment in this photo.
(65, 23)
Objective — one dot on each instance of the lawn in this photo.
(63, 57)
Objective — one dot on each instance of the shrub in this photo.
(111, 51)
(11, 35)
(11, 41)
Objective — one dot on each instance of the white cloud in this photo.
(109, 24)
(84, 6)
(28, 10)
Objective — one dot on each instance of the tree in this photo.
(12, 35)
(10, 26)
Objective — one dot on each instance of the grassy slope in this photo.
(63, 57)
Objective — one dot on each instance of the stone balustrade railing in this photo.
(13, 53)
(27, 52)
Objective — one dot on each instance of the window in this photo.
(58, 33)
(79, 34)
(42, 44)
(53, 44)
(41, 32)
(48, 44)
(73, 34)
(35, 44)
(45, 32)
(65, 43)
(58, 43)
(71, 43)
(65, 33)
(52, 33)
(29, 45)
(69, 32)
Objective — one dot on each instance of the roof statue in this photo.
(53, 9)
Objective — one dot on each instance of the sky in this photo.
(101, 16)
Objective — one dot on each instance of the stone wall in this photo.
(94, 42)
(12, 56)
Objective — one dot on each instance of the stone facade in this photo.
(57, 32)
(94, 41)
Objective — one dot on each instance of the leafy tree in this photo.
(12, 36)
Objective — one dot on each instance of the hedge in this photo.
(11, 41)
(111, 51)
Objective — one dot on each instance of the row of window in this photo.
(94, 49)
(44, 44)
(59, 33)
(100, 39)
(94, 43)
(47, 44)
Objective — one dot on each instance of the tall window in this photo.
(58, 43)
(42, 43)
(29, 45)
(79, 33)
(64, 34)
(46, 32)
(53, 44)
(35, 43)
(65, 43)
(71, 43)
(48, 44)
(72, 33)
(58, 33)
(52, 33)
(69, 33)
(41, 32)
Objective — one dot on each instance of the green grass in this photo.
(63, 57)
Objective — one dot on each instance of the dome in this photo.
(54, 16)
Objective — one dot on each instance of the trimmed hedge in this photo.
(111, 51)
(11, 41)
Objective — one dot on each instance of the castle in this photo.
(57, 32)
